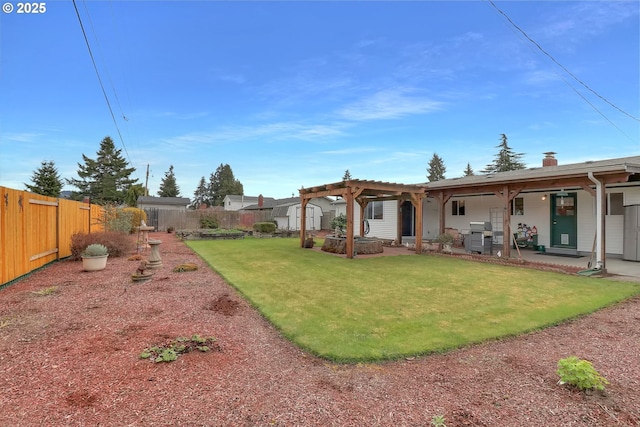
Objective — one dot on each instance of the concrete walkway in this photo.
(617, 266)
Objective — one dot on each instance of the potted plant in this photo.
(446, 240)
(94, 257)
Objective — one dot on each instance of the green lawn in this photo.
(390, 307)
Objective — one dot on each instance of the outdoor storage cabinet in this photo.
(480, 237)
(631, 242)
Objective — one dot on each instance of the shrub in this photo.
(134, 215)
(580, 373)
(95, 249)
(339, 222)
(264, 227)
(208, 221)
(117, 243)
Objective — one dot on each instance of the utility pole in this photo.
(146, 182)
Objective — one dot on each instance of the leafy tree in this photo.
(105, 179)
(222, 183)
(468, 171)
(46, 180)
(347, 175)
(436, 169)
(168, 186)
(506, 159)
(201, 195)
(133, 192)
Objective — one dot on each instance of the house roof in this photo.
(283, 210)
(246, 199)
(270, 203)
(575, 174)
(169, 201)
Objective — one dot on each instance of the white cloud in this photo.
(389, 104)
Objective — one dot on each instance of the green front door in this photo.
(564, 221)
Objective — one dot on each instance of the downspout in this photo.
(599, 213)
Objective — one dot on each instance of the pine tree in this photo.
(436, 169)
(347, 175)
(105, 179)
(168, 186)
(222, 183)
(46, 180)
(468, 171)
(201, 195)
(506, 159)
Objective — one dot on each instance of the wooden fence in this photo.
(161, 219)
(36, 230)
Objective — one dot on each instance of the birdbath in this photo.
(154, 257)
(145, 229)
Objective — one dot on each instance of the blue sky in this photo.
(293, 93)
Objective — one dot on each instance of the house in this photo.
(170, 203)
(159, 209)
(573, 209)
(239, 202)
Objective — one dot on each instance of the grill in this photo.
(480, 236)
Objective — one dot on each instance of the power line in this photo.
(561, 66)
(100, 80)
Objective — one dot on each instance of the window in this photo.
(457, 207)
(373, 210)
(615, 205)
(517, 206)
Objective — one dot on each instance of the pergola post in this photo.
(399, 222)
(416, 200)
(303, 220)
(349, 243)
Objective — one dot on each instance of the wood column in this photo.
(416, 201)
(348, 196)
(303, 220)
(399, 222)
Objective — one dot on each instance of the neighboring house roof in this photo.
(169, 201)
(270, 203)
(245, 199)
(282, 210)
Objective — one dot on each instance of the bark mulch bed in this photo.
(70, 343)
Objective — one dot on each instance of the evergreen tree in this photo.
(201, 195)
(222, 183)
(468, 171)
(347, 175)
(168, 186)
(133, 192)
(105, 179)
(46, 180)
(506, 159)
(436, 169)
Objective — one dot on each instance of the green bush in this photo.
(580, 373)
(134, 215)
(339, 222)
(208, 221)
(264, 227)
(95, 249)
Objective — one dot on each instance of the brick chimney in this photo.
(549, 159)
(260, 201)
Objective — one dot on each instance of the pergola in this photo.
(364, 192)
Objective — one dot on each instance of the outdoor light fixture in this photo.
(562, 195)
(544, 197)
